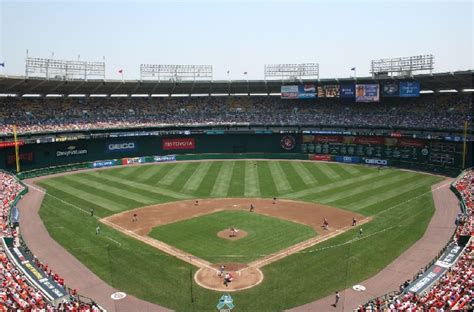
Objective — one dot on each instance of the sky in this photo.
(236, 36)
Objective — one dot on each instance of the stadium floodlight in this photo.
(402, 66)
(63, 70)
(292, 71)
(175, 72)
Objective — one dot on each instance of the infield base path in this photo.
(245, 275)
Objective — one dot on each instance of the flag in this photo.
(120, 71)
(353, 68)
(2, 64)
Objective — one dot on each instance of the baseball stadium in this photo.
(181, 190)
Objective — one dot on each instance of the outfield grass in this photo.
(400, 203)
(265, 235)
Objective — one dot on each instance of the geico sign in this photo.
(121, 146)
(382, 162)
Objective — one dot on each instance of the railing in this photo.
(79, 298)
(440, 253)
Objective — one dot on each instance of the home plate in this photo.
(118, 295)
(358, 288)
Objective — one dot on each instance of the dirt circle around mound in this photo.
(244, 277)
(233, 236)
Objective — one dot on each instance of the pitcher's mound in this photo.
(228, 234)
(243, 277)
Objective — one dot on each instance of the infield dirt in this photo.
(138, 223)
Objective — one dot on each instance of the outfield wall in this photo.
(418, 154)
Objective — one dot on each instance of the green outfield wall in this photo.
(418, 154)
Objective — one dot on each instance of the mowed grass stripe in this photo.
(112, 196)
(403, 205)
(133, 171)
(315, 197)
(279, 177)
(350, 169)
(303, 172)
(99, 177)
(292, 176)
(378, 189)
(339, 169)
(252, 188)
(169, 178)
(121, 192)
(197, 177)
(325, 199)
(151, 189)
(59, 196)
(150, 172)
(237, 182)
(319, 175)
(329, 171)
(221, 186)
(392, 192)
(85, 196)
(348, 201)
(336, 184)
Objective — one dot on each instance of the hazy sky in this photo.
(235, 35)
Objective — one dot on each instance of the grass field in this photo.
(198, 236)
(400, 203)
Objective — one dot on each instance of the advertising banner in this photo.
(328, 138)
(390, 89)
(15, 215)
(72, 150)
(105, 163)
(134, 160)
(164, 158)
(50, 288)
(121, 147)
(347, 91)
(376, 162)
(307, 91)
(367, 92)
(323, 157)
(348, 159)
(11, 144)
(409, 88)
(179, 144)
(405, 142)
(25, 158)
(368, 140)
(329, 91)
(430, 276)
(289, 92)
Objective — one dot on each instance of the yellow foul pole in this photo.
(17, 148)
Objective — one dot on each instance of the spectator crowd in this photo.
(33, 115)
(454, 291)
(16, 292)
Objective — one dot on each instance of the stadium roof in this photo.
(21, 85)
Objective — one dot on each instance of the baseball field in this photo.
(393, 208)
